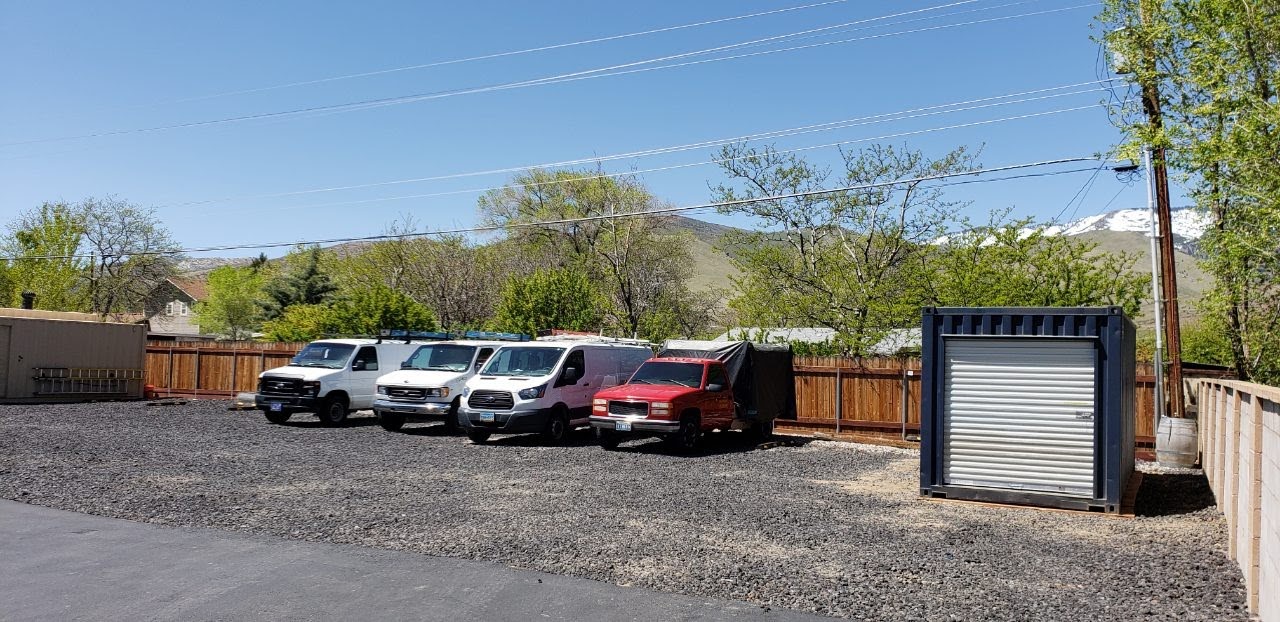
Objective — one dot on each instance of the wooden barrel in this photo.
(1176, 442)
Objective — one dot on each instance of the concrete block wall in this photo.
(1240, 452)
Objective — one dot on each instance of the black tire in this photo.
(557, 429)
(686, 438)
(451, 417)
(277, 417)
(608, 439)
(479, 437)
(390, 421)
(762, 431)
(332, 411)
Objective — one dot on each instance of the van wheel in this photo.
(478, 436)
(276, 417)
(557, 427)
(333, 411)
(451, 417)
(686, 438)
(607, 439)
(390, 421)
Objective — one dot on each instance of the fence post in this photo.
(839, 398)
(235, 358)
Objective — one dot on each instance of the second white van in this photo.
(545, 386)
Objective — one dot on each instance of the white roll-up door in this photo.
(1019, 414)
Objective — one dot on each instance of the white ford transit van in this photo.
(330, 378)
(428, 386)
(545, 386)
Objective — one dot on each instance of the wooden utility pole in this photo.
(1168, 268)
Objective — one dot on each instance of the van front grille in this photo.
(491, 400)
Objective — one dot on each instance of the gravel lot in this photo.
(825, 527)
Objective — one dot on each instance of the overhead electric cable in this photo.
(565, 221)
(470, 59)
(703, 162)
(569, 77)
(913, 113)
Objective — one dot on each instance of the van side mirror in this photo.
(358, 365)
(405, 365)
(715, 388)
(568, 376)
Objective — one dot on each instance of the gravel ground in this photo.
(825, 527)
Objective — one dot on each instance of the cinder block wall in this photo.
(1240, 452)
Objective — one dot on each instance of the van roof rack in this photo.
(495, 336)
(596, 339)
(411, 335)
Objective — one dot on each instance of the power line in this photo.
(615, 70)
(565, 221)
(470, 59)
(973, 104)
(706, 162)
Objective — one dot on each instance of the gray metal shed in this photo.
(1028, 405)
(52, 356)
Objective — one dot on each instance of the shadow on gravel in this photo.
(351, 422)
(1171, 494)
(576, 438)
(430, 429)
(714, 444)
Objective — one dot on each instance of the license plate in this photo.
(622, 426)
(486, 417)
(276, 407)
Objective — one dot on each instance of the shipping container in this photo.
(1030, 406)
(48, 356)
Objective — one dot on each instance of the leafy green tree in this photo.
(1216, 66)
(1015, 264)
(298, 323)
(53, 230)
(233, 306)
(853, 260)
(641, 269)
(564, 299)
(367, 311)
(303, 283)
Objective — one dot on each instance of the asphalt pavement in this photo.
(58, 565)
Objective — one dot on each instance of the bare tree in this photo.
(130, 254)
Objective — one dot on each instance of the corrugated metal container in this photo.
(1028, 405)
(52, 357)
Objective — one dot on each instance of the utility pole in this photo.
(1168, 272)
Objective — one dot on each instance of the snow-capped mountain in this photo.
(1189, 225)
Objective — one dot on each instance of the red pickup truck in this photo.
(676, 398)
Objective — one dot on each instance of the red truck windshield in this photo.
(683, 374)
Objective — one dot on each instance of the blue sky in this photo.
(74, 69)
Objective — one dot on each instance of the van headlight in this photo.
(533, 393)
(382, 390)
(660, 408)
(311, 387)
(440, 392)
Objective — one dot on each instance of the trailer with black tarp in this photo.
(762, 375)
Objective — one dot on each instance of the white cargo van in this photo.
(330, 378)
(545, 386)
(428, 385)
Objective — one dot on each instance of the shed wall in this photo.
(37, 343)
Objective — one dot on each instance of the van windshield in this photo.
(330, 355)
(654, 372)
(522, 361)
(441, 357)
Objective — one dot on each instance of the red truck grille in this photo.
(629, 409)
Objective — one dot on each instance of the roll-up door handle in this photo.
(1084, 415)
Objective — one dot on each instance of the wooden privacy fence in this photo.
(880, 397)
(214, 369)
(1240, 448)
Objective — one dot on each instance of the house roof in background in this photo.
(776, 335)
(195, 287)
